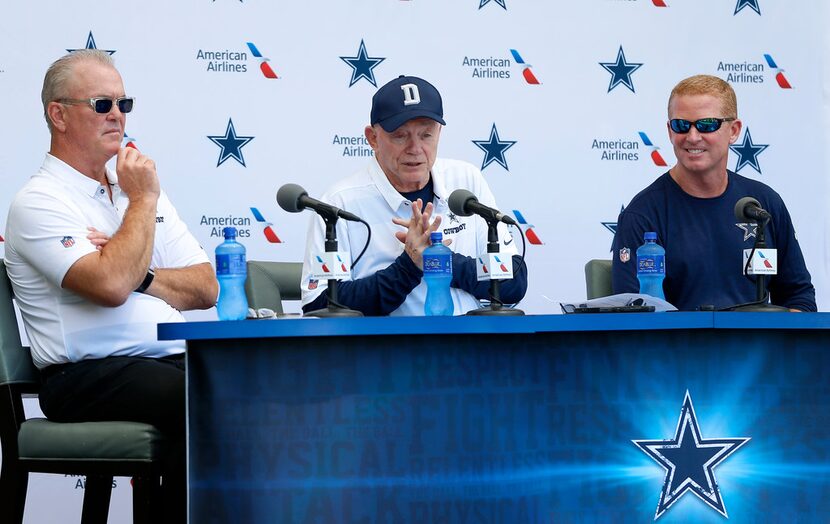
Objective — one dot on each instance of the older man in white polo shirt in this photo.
(96, 259)
(397, 193)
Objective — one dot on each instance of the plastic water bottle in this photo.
(438, 275)
(651, 266)
(231, 272)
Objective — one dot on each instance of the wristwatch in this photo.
(147, 281)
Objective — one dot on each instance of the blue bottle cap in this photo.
(229, 232)
(649, 235)
(436, 236)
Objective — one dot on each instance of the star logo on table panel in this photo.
(527, 72)
(494, 149)
(750, 230)
(530, 233)
(690, 461)
(263, 61)
(362, 65)
(621, 71)
(90, 44)
(502, 3)
(783, 83)
(269, 233)
(231, 145)
(748, 153)
(655, 155)
(752, 4)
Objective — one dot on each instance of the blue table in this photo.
(577, 418)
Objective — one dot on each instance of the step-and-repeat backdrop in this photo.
(561, 104)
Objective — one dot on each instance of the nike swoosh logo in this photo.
(508, 242)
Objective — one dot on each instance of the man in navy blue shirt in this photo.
(691, 208)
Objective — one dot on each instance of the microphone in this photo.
(748, 209)
(464, 203)
(293, 198)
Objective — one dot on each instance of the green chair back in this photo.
(16, 366)
(598, 278)
(269, 283)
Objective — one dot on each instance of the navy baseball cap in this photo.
(403, 99)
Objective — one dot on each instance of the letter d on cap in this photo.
(411, 96)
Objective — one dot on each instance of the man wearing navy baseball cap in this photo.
(402, 193)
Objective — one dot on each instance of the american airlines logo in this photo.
(269, 233)
(529, 231)
(231, 60)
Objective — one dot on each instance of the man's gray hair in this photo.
(59, 73)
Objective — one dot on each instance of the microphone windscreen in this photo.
(458, 202)
(740, 206)
(288, 197)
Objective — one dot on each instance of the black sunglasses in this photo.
(704, 125)
(102, 104)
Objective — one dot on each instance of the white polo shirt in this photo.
(370, 195)
(46, 233)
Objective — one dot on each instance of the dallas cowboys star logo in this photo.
(690, 461)
(620, 71)
(612, 227)
(453, 217)
(502, 3)
(748, 153)
(362, 65)
(750, 230)
(90, 44)
(752, 4)
(231, 145)
(494, 149)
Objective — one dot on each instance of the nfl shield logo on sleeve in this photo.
(68, 241)
(625, 255)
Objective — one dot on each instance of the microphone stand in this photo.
(496, 307)
(333, 309)
(761, 304)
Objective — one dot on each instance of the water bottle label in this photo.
(651, 265)
(494, 266)
(438, 264)
(231, 265)
(335, 265)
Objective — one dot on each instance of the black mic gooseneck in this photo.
(749, 210)
(465, 203)
(293, 198)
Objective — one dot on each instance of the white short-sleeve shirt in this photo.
(46, 233)
(369, 195)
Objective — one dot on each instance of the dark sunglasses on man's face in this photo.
(102, 104)
(704, 125)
